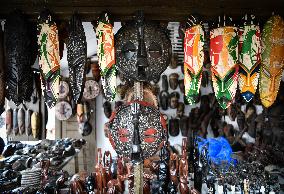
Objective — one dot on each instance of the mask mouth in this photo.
(142, 76)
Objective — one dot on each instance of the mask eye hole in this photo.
(128, 50)
(155, 50)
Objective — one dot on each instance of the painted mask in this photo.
(224, 68)
(143, 50)
(76, 57)
(272, 60)
(129, 128)
(49, 60)
(106, 55)
(193, 59)
(249, 57)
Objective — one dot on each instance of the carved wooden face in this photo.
(272, 60)
(142, 51)
(223, 53)
(150, 127)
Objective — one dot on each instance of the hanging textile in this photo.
(76, 57)
(193, 59)
(106, 56)
(272, 60)
(224, 68)
(49, 61)
(249, 57)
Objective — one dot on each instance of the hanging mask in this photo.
(272, 59)
(49, 60)
(19, 58)
(21, 121)
(250, 50)
(224, 68)
(15, 122)
(28, 122)
(193, 59)
(143, 50)
(147, 131)
(35, 123)
(9, 121)
(106, 55)
(77, 57)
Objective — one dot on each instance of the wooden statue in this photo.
(183, 169)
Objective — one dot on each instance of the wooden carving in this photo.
(183, 169)
(100, 174)
(19, 58)
(77, 57)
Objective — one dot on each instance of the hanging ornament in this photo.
(19, 58)
(106, 55)
(250, 51)
(272, 59)
(77, 57)
(193, 59)
(49, 60)
(224, 67)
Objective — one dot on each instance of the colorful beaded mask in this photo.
(143, 50)
(250, 50)
(224, 68)
(126, 126)
(49, 61)
(272, 60)
(193, 60)
(106, 56)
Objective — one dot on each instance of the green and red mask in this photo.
(106, 55)
(249, 57)
(272, 60)
(224, 67)
(193, 60)
(49, 60)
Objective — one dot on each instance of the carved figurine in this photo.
(100, 174)
(173, 164)
(183, 169)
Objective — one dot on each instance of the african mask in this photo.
(19, 58)
(49, 60)
(106, 55)
(272, 60)
(15, 122)
(35, 123)
(76, 57)
(9, 121)
(173, 80)
(28, 127)
(21, 121)
(224, 67)
(249, 57)
(129, 128)
(143, 50)
(193, 59)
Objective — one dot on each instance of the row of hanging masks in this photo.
(238, 57)
(137, 129)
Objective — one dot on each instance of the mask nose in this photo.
(136, 146)
(142, 62)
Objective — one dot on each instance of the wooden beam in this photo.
(163, 10)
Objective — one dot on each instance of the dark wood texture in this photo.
(166, 10)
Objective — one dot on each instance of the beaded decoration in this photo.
(249, 58)
(49, 60)
(193, 60)
(224, 67)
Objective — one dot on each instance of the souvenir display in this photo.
(2, 73)
(150, 128)
(49, 60)
(193, 58)
(91, 90)
(272, 59)
(63, 89)
(250, 51)
(106, 55)
(63, 110)
(35, 123)
(9, 121)
(142, 57)
(28, 127)
(224, 67)
(21, 121)
(76, 57)
(18, 58)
